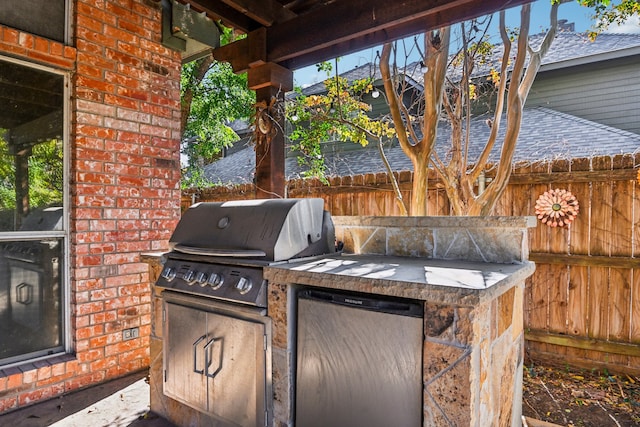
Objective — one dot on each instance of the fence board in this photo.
(619, 310)
(635, 315)
(579, 234)
(520, 200)
(578, 293)
(579, 228)
(559, 278)
(601, 215)
(620, 305)
(598, 306)
(621, 218)
(558, 237)
(577, 301)
(635, 234)
(558, 287)
(635, 306)
(539, 303)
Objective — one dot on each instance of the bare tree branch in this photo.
(497, 116)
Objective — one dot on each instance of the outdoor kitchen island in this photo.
(467, 273)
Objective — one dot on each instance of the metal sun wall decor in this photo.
(557, 208)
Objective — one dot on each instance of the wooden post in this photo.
(271, 82)
(21, 162)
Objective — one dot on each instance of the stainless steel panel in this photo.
(236, 358)
(184, 328)
(357, 368)
(216, 359)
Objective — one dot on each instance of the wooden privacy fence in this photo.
(582, 305)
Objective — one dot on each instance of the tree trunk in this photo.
(200, 71)
(419, 151)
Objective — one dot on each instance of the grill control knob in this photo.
(215, 281)
(168, 274)
(244, 285)
(188, 276)
(201, 279)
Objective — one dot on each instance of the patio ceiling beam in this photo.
(266, 12)
(358, 24)
(229, 16)
(346, 26)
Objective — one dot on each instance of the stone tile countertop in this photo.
(441, 281)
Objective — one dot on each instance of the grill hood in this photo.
(268, 229)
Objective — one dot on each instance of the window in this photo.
(46, 18)
(32, 212)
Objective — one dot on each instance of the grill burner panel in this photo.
(237, 283)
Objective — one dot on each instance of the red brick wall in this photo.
(124, 187)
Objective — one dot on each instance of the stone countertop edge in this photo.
(406, 280)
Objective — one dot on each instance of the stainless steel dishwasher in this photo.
(359, 360)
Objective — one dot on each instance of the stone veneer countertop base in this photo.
(444, 281)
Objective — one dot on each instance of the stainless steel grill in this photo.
(217, 337)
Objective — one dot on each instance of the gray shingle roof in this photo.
(545, 135)
(567, 46)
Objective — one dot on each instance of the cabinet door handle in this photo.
(195, 356)
(208, 357)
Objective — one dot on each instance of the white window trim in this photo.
(68, 342)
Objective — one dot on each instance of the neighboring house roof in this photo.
(575, 48)
(545, 135)
(568, 49)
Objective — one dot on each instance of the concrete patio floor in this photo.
(120, 403)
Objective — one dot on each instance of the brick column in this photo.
(125, 179)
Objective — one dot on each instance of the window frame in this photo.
(63, 235)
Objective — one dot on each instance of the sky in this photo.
(572, 12)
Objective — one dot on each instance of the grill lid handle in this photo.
(218, 252)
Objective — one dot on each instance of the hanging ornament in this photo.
(557, 208)
(265, 120)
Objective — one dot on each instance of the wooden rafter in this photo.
(340, 27)
(266, 12)
(229, 16)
